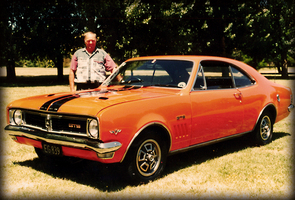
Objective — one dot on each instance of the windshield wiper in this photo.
(165, 85)
(133, 80)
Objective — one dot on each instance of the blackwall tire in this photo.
(147, 159)
(264, 129)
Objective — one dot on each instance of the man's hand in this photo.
(71, 80)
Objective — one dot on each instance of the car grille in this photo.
(62, 124)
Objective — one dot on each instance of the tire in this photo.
(147, 158)
(264, 129)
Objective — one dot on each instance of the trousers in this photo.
(86, 86)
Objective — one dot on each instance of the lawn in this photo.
(231, 169)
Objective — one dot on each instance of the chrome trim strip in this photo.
(269, 104)
(206, 143)
(44, 112)
(84, 143)
(57, 132)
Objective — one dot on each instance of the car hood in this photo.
(90, 102)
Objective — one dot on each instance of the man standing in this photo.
(89, 65)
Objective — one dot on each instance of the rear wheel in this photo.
(147, 158)
(264, 129)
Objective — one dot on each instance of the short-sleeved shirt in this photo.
(91, 67)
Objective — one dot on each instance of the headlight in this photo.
(17, 117)
(93, 128)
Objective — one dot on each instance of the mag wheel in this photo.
(147, 159)
(264, 129)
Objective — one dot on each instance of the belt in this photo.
(90, 82)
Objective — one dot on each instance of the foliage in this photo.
(37, 62)
(263, 30)
(270, 28)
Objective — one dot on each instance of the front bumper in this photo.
(70, 141)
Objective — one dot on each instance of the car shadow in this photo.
(111, 177)
(200, 155)
(105, 177)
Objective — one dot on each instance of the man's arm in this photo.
(71, 80)
(73, 68)
(109, 64)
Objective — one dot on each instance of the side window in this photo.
(199, 84)
(217, 75)
(241, 80)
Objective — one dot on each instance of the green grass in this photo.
(231, 169)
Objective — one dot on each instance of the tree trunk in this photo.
(59, 65)
(10, 69)
(278, 65)
(284, 71)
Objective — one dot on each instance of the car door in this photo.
(217, 109)
(251, 97)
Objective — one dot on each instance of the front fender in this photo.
(124, 122)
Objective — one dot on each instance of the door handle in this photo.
(238, 95)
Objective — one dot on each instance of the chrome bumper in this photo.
(98, 147)
(291, 107)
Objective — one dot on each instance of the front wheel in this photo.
(264, 129)
(147, 159)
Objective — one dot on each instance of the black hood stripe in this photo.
(56, 105)
(48, 103)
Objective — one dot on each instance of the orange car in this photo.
(152, 107)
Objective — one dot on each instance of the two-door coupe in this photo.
(152, 107)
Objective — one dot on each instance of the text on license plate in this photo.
(52, 149)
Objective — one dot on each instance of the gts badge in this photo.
(116, 131)
(74, 125)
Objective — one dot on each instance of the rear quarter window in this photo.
(241, 79)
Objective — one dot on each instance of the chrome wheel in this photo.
(265, 128)
(148, 157)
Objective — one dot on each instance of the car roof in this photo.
(196, 58)
(253, 73)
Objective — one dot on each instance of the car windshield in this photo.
(163, 73)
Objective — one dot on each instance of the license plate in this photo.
(52, 149)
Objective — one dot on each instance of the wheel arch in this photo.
(161, 130)
(268, 108)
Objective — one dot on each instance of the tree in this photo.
(262, 30)
(282, 33)
(211, 22)
(47, 29)
(267, 32)
(158, 27)
(39, 29)
(8, 44)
